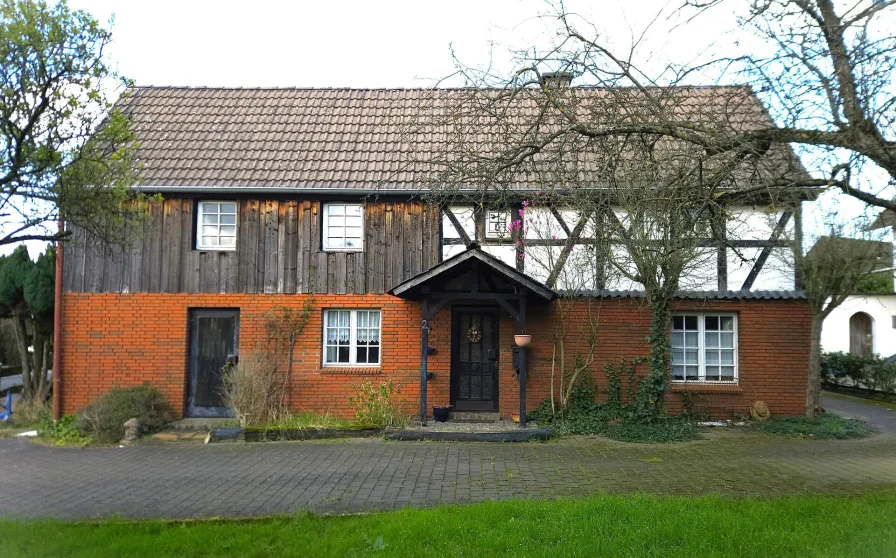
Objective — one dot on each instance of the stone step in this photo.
(474, 416)
(199, 424)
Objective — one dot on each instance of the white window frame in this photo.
(199, 224)
(701, 349)
(502, 231)
(353, 339)
(326, 227)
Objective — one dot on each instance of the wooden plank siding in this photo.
(278, 251)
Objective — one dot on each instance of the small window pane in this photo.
(209, 241)
(726, 340)
(228, 208)
(228, 219)
(209, 207)
(690, 322)
(677, 339)
(727, 356)
(690, 339)
(712, 323)
(212, 219)
(677, 356)
(343, 354)
(727, 323)
(712, 357)
(228, 241)
(712, 339)
(691, 357)
(228, 230)
(678, 322)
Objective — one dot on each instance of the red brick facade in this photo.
(127, 339)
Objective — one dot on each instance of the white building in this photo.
(862, 321)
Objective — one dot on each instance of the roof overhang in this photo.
(472, 258)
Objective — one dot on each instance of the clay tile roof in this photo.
(349, 139)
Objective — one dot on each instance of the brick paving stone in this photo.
(189, 480)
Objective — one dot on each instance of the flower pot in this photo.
(440, 414)
(515, 418)
(522, 340)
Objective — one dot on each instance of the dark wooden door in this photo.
(474, 359)
(861, 339)
(214, 341)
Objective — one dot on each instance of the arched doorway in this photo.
(861, 339)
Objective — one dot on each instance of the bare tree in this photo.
(828, 86)
(831, 271)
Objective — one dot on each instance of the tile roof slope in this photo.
(309, 138)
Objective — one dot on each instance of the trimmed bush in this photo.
(103, 420)
(869, 372)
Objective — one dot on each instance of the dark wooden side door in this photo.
(861, 339)
(214, 341)
(474, 359)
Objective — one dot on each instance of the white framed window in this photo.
(352, 338)
(704, 348)
(496, 224)
(344, 227)
(216, 225)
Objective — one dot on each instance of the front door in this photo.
(214, 341)
(474, 359)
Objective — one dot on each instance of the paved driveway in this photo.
(188, 480)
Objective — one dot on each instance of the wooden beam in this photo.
(560, 220)
(571, 240)
(763, 256)
(457, 226)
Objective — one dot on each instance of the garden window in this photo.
(343, 227)
(704, 348)
(351, 337)
(216, 226)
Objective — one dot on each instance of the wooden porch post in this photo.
(524, 361)
(424, 353)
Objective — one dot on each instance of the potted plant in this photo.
(440, 414)
(522, 339)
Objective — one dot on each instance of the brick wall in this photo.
(126, 339)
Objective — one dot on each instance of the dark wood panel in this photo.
(278, 251)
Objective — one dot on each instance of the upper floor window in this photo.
(351, 337)
(216, 226)
(344, 226)
(704, 348)
(497, 224)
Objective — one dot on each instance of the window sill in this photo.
(343, 250)
(352, 371)
(694, 387)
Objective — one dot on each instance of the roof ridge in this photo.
(349, 88)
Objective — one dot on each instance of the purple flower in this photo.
(525, 203)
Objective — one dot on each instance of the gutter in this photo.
(57, 327)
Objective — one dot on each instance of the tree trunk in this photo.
(813, 387)
(658, 362)
(24, 358)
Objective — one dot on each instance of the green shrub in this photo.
(824, 427)
(872, 372)
(378, 406)
(103, 420)
(63, 431)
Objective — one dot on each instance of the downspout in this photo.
(57, 326)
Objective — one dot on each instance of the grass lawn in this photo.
(603, 526)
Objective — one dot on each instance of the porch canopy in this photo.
(472, 277)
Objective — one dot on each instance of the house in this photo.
(865, 323)
(273, 197)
